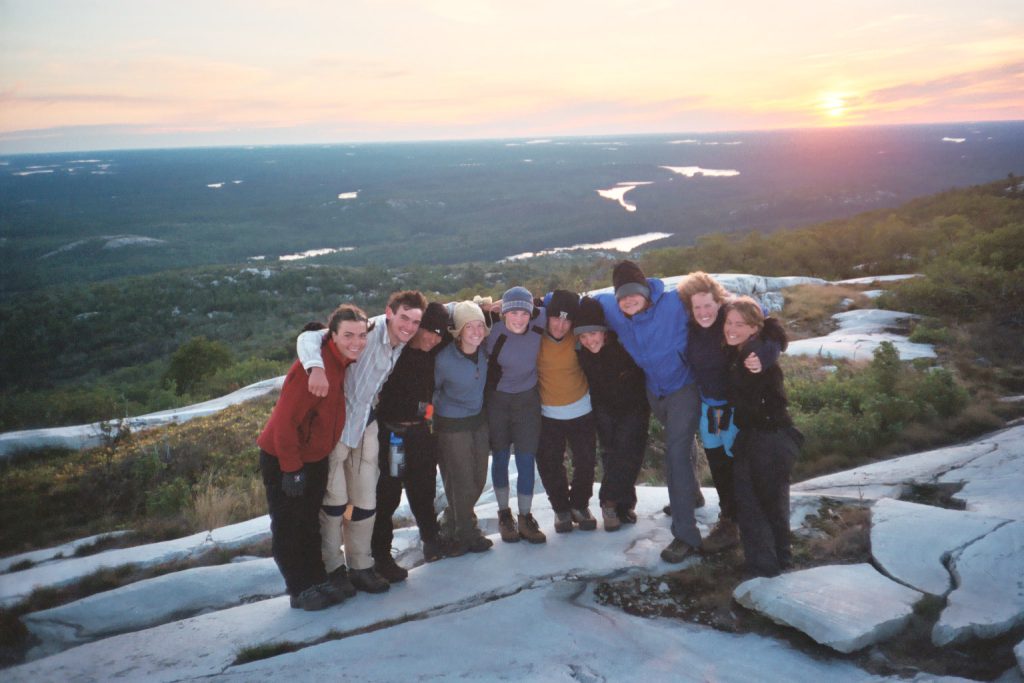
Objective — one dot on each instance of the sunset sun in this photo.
(833, 105)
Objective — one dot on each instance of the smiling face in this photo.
(593, 341)
(632, 304)
(402, 324)
(425, 340)
(472, 335)
(737, 330)
(559, 327)
(705, 308)
(350, 339)
(517, 320)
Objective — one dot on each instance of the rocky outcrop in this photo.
(846, 607)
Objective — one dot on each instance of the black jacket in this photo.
(617, 384)
(759, 399)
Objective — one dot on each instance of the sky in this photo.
(112, 74)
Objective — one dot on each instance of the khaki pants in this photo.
(351, 482)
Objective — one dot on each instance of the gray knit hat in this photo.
(517, 299)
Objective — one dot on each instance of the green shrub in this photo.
(194, 361)
(928, 333)
(169, 498)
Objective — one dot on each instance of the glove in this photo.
(293, 483)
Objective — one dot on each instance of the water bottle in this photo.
(397, 459)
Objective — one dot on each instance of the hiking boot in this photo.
(387, 568)
(611, 518)
(530, 530)
(433, 550)
(584, 520)
(563, 522)
(368, 581)
(480, 544)
(677, 551)
(339, 577)
(311, 600)
(723, 535)
(457, 549)
(699, 501)
(627, 515)
(334, 594)
(667, 510)
(507, 526)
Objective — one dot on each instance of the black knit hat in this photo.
(590, 318)
(563, 304)
(627, 278)
(435, 319)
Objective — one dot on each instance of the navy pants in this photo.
(420, 483)
(579, 434)
(623, 439)
(295, 524)
(763, 463)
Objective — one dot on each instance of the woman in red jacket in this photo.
(294, 445)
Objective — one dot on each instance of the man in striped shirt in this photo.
(349, 506)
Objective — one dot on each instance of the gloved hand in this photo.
(293, 483)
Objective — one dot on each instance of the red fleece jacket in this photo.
(304, 428)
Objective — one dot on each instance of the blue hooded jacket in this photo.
(655, 337)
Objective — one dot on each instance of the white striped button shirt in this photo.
(363, 379)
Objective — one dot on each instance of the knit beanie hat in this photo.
(435, 319)
(517, 299)
(466, 311)
(590, 317)
(563, 304)
(627, 278)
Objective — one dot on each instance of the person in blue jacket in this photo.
(651, 323)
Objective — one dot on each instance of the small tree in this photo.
(194, 361)
(885, 368)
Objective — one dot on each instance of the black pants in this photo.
(295, 524)
(721, 465)
(579, 434)
(420, 483)
(623, 439)
(763, 462)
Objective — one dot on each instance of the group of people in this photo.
(376, 405)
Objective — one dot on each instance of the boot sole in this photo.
(534, 540)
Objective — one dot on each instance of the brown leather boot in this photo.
(507, 526)
(530, 530)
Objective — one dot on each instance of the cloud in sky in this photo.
(394, 69)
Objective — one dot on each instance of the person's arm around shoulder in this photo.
(308, 348)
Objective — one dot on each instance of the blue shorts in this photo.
(717, 427)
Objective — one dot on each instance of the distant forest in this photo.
(77, 353)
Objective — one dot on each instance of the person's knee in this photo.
(359, 514)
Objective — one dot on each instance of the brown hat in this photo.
(628, 279)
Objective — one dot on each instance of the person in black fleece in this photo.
(619, 399)
(767, 444)
(403, 410)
